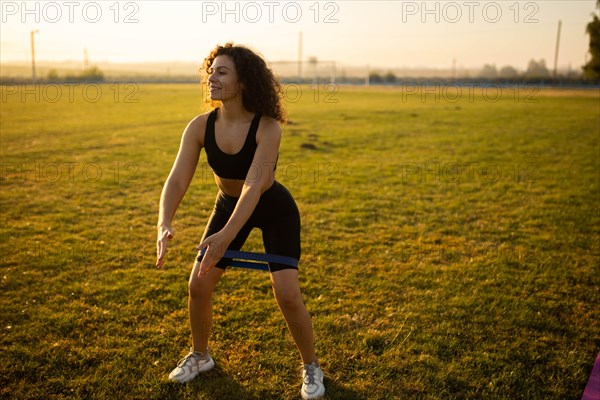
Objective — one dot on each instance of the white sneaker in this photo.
(190, 366)
(312, 382)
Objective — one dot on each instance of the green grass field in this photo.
(450, 248)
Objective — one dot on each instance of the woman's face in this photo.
(223, 80)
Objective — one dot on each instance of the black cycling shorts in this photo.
(276, 215)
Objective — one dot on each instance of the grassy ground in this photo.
(450, 248)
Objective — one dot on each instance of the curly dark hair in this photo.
(262, 91)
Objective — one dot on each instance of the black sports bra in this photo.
(230, 166)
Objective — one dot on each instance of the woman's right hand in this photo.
(165, 232)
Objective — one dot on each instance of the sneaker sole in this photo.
(319, 395)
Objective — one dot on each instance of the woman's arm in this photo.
(177, 184)
(259, 178)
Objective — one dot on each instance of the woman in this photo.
(241, 139)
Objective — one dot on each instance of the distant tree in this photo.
(508, 72)
(390, 77)
(92, 74)
(591, 70)
(52, 75)
(537, 69)
(71, 78)
(374, 77)
(488, 71)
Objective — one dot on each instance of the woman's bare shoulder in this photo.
(197, 126)
(269, 125)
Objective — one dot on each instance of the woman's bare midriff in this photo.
(231, 187)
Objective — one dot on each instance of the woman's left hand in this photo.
(215, 245)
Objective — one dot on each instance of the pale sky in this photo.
(377, 33)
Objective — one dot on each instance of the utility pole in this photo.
(300, 57)
(454, 68)
(86, 59)
(314, 62)
(33, 55)
(333, 73)
(556, 52)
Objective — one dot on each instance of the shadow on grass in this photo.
(219, 384)
(216, 384)
(334, 390)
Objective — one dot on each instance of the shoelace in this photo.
(190, 355)
(310, 374)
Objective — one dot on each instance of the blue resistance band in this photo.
(258, 261)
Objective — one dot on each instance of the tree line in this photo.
(536, 70)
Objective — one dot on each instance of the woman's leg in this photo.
(200, 289)
(287, 292)
(278, 217)
(200, 305)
